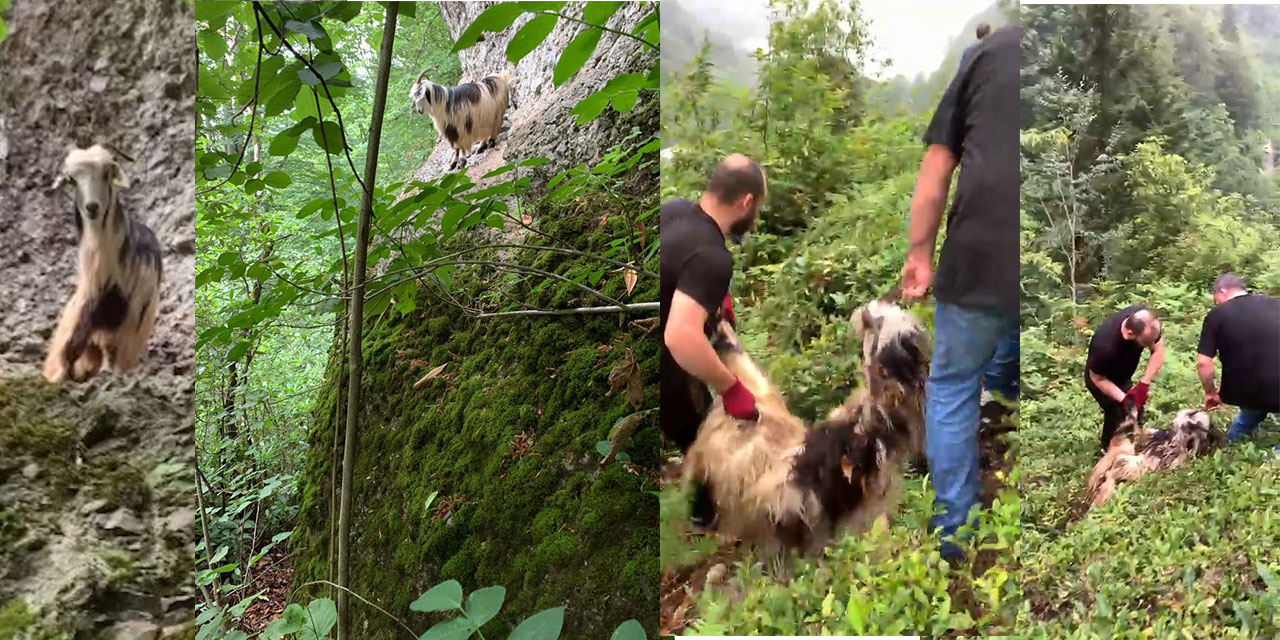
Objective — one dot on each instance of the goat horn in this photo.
(420, 76)
(113, 149)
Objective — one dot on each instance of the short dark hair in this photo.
(1227, 282)
(732, 180)
(983, 30)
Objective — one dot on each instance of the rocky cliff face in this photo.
(96, 480)
(541, 124)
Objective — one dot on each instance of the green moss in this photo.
(14, 619)
(548, 524)
(124, 486)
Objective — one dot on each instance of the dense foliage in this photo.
(833, 234)
(283, 105)
(1141, 157)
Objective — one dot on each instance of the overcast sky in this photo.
(913, 33)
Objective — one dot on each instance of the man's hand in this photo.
(1212, 400)
(1139, 394)
(917, 275)
(739, 402)
(726, 311)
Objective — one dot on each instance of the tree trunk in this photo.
(356, 318)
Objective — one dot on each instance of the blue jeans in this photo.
(967, 343)
(1244, 424)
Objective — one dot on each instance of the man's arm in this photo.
(1204, 368)
(1154, 362)
(1106, 386)
(932, 184)
(689, 345)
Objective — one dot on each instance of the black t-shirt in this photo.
(694, 261)
(1110, 355)
(977, 119)
(1244, 333)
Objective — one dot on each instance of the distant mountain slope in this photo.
(683, 35)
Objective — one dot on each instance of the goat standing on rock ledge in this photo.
(113, 311)
(465, 114)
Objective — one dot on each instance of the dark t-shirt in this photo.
(977, 119)
(1110, 355)
(1244, 333)
(694, 261)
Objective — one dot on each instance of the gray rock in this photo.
(94, 506)
(134, 630)
(31, 471)
(181, 522)
(122, 522)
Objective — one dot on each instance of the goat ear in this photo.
(118, 178)
(863, 321)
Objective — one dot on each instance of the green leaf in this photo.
(599, 12)
(495, 18)
(329, 69)
(346, 11)
(454, 214)
(209, 11)
(629, 630)
(238, 350)
(445, 596)
(332, 137)
(529, 37)
(309, 29)
(576, 54)
(283, 97)
(278, 179)
(544, 625)
(282, 145)
(212, 45)
(228, 258)
(321, 615)
(253, 186)
(210, 274)
(496, 221)
(484, 604)
(625, 101)
(452, 629)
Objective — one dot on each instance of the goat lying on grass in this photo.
(1135, 452)
(113, 311)
(468, 113)
(779, 485)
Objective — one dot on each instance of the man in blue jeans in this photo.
(976, 318)
(1243, 331)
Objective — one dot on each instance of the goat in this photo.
(113, 311)
(780, 485)
(1135, 452)
(468, 113)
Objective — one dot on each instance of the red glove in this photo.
(739, 402)
(1139, 394)
(726, 311)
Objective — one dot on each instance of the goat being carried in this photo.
(466, 114)
(113, 311)
(1135, 452)
(779, 485)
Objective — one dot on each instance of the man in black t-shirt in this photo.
(696, 268)
(1243, 331)
(976, 317)
(1114, 352)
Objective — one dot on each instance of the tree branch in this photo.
(638, 306)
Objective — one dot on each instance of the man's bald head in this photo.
(1145, 327)
(1227, 286)
(735, 177)
(736, 191)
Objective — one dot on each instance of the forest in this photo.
(1144, 177)
(832, 237)
(414, 383)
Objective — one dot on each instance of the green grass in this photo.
(1187, 553)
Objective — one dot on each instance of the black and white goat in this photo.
(1134, 452)
(468, 113)
(113, 311)
(780, 485)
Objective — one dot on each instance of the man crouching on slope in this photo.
(696, 269)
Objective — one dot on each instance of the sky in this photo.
(913, 33)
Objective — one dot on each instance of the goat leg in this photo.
(55, 363)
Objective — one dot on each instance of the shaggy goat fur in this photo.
(779, 485)
(113, 311)
(468, 113)
(1135, 451)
